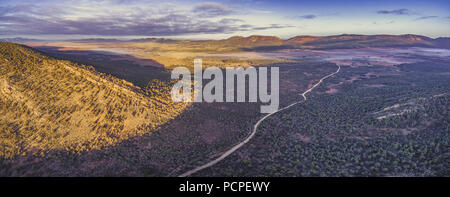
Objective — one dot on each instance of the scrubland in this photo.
(49, 104)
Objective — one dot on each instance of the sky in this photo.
(194, 19)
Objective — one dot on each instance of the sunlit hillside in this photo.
(175, 53)
(236, 50)
(48, 104)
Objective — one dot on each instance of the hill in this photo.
(254, 40)
(359, 41)
(272, 43)
(258, 42)
(442, 42)
(48, 104)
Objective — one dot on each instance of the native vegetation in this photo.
(378, 121)
(368, 120)
(49, 104)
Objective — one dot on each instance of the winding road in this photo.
(255, 128)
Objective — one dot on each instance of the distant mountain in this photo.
(443, 42)
(19, 40)
(270, 43)
(159, 40)
(100, 40)
(359, 41)
(96, 40)
(254, 40)
(303, 39)
(48, 105)
(345, 41)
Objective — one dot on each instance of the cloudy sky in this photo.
(192, 19)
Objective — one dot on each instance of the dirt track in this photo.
(255, 128)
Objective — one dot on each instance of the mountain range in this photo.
(258, 42)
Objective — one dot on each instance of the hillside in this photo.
(337, 41)
(254, 40)
(258, 42)
(48, 104)
(360, 41)
(443, 42)
(273, 43)
(233, 51)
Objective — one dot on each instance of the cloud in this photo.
(309, 16)
(118, 20)
(172, 24)
(314, 16)
(395, 12)
(29, 9)
(424, 18)
(231, 21)
(272, 26)
(211, 9)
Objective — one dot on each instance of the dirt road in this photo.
(255, 128)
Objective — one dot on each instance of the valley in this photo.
(384, 112)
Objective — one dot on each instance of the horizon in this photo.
(200, 39)
(219, 19)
